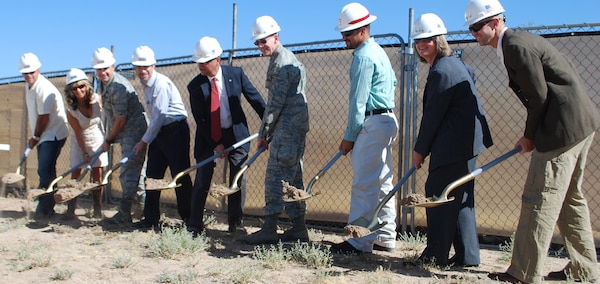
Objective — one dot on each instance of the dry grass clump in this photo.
(186, 276)
(122, 261)
(13, 224)
(414, 242)
(236, 270)
(62, 274)
(312, 255)
(174, 242)
(30, 256)
(506, 248)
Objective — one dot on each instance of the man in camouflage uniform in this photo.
(286, 122)
(126, 123)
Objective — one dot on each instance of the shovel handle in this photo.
(216, 155)
(59, 178)
(95, 157)
(23, 157)
(470, 176)
(395, 189)
(247, 165)
(323, 171)
(116, 166)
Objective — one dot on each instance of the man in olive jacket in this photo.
(560, 126)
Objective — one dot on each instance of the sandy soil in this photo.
(39, 252)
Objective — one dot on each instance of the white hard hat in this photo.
(143, 56)
(29, 63)
(263, 27)
(207, 49)
(428, 25)
(102, 58)
(478, 10)
(354, 16)
(75, 75)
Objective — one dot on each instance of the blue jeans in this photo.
(48, 152)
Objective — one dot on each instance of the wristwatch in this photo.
(36, 138)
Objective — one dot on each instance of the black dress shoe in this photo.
(345, 248)
(453, 261)
(504, 277)
(195, 231)
(382, 248)
(143, 224)
(556, 275)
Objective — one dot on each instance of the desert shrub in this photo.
(187, 276)
(122, 261)
(173, 242)
(62, 274)
(413, 241)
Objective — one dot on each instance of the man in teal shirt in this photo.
(372, 127)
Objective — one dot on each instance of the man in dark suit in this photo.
(228, 124)
(560, 126)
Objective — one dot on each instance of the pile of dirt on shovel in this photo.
(12, 178)
(291, 193)
(156, 184)
(71, 189)
(356, 231)
(413, 199)
(220, 190)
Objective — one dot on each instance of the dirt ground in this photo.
(40, 252)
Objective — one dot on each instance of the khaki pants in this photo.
(553, 195)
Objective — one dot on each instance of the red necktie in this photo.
(215, 112)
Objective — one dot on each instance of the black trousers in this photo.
(453, 223)
(171, 148)
(204, 175)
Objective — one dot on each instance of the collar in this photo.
(499, 50)
(152, 79)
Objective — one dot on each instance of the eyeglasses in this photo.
(478, 26)
(77, 87)
(349, 33)
(423, 40)
(262, 40)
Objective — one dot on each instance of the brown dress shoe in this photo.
(556, 275)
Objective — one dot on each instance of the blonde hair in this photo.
(442, 47)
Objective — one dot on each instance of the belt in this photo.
(378, 111)
(170, 125)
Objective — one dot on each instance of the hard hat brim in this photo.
(28, 70)
(143, 63)
(104, 64)
(363, 23)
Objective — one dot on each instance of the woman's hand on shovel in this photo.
(418, 159)
(262, 142)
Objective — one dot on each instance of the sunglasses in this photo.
(349, 33)
(262, 40)
(424, 40)
(77, 87)
(476, 27)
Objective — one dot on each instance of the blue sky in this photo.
(64, 34)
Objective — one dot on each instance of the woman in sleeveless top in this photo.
(84, 113)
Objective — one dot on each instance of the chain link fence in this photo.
(498, 190)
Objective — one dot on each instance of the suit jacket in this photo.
(236, 83)
(559, 111)
(453, 127)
